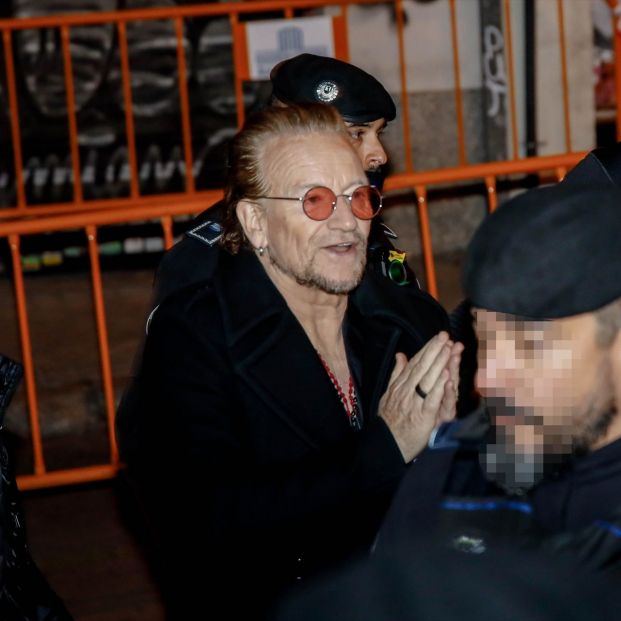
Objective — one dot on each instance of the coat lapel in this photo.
(273, 355)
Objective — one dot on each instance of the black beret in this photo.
(307, 78)
(549, 253)
(601, 168)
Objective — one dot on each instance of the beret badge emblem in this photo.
(327, 91)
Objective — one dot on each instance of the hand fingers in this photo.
(400, 363)
(434, 396)
(453, 367)
(448, 406)
(423, 360)
(428, 380)
(458, 349)
(431, 348)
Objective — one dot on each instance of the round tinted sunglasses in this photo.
(319, 202)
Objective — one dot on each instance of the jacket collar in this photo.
(272, 353)
(251, 298)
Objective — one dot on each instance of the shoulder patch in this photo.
(208, 232)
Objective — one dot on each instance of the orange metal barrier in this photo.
(91, 221)
(236, 12)
(89, 215)
(120, 19)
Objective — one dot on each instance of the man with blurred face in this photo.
(548, 350)
(549, 386)
(364, 104)
(540, 465)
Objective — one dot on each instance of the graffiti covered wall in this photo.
(98, 93)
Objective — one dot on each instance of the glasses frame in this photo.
(349, 197)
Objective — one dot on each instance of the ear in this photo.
(251, 216)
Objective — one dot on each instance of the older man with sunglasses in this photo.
(279, 403)
(366, 108)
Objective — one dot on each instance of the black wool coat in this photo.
(240, 447)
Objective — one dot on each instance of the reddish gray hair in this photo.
(245, 170)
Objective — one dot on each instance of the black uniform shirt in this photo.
(445, 497)
(587, 490)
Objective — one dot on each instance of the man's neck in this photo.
(320, 313)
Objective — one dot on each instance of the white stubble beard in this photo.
(309, 277)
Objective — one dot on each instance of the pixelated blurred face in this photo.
(365, 138)
(329, 255)
(548, 387)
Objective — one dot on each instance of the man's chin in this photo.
(513, 456)
(330, 285)
(329, 282)
(316, 277)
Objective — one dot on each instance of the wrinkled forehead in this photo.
(303, 160)
(303, 141)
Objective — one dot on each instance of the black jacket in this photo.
(575, 512)
(240, 446)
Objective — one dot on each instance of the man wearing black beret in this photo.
(364, 104)
(540, 465)
(366, 108)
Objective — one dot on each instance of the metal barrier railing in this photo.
(91, 221)
(64, 23)
(89, 215)
(236, 12)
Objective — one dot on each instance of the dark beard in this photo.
(518, 471)
(598, 414)
(515, 470)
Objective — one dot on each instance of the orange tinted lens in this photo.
(365, 202)
(318, 203)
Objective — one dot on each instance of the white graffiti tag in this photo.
(494, 69)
